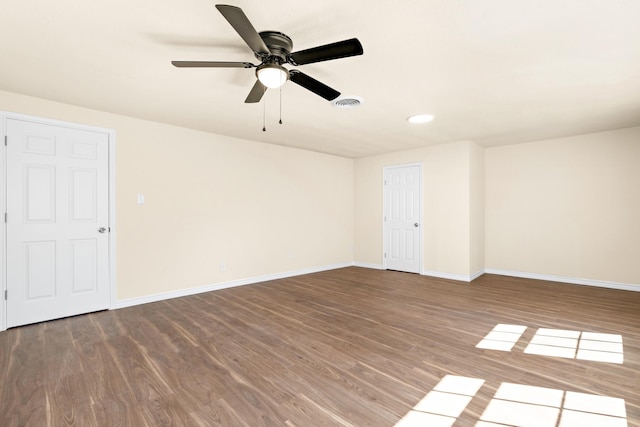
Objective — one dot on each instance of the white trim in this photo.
(420, 210)
(218, 286)
(431, 273)
(4, 116)
(562, 279)
(453, 276)
(112, 219)
(54, 122)
(369, 265)
(3, 232)
(475, 275)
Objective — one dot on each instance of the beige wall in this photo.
(566, 207)
(259, 209)
(453, 244)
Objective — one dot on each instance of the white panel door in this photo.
(402, 191)
(57, 222)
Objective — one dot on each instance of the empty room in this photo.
(418, 213)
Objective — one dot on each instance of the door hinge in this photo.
(5, 294)
(5, 140)
(385, 254)
(5, 217)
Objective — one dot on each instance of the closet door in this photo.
(402, 201)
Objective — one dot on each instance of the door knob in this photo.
(101, 230)
(415, 225)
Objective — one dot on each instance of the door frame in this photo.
(111, 134)
(420, 209)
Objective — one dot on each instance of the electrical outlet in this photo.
(223, 268)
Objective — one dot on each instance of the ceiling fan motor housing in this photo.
(279, 45)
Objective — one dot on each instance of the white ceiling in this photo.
(493, 71)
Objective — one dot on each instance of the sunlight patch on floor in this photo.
(525, 405)
(554, 342)
(502, 337)
(601, 347)
(529, 406)
(575, 344)
(515, 405)
(442, 406)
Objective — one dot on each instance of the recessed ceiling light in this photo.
(420, 118)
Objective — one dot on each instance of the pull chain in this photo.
(280, 121)
(264, 114)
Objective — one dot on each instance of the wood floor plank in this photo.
(118, 410)
(100, 371)
(347, 347)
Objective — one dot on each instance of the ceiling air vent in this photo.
(346, 102)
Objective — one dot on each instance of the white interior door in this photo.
(402, 202)
(57, 222)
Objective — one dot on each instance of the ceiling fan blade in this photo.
(343, 49)
(239, 21)
(256, 93)
(212, 64)
(313, 85)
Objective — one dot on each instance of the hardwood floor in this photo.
(348, 347)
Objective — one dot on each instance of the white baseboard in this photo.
(368, 265)
(438, 274)
(477, 274)
(224, 285)
(570, 280)
(453, 276)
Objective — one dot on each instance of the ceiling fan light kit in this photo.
(273, 49)
(272, 75)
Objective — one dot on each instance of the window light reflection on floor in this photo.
(579, 345)
(515, 405)
(524, 406)
(442, 406)
(502, 337)
(600, 347)
(554, 342)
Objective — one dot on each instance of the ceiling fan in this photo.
(273, 49)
